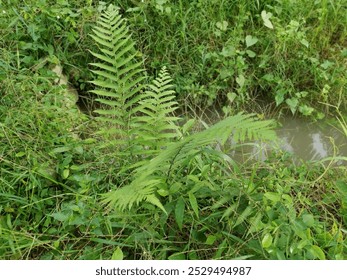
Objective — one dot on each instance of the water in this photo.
(311, 141)
(303, 140)
(300, 138)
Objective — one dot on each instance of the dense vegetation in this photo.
(130, 171)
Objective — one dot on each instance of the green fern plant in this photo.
(139, 118)
(119, 79)
(158, 120)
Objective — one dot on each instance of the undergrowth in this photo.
(132, 180)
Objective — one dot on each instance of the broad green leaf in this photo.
(175, 187)
(194, 178)
(266, 19)
(293, 104)
(60, 216)
(66, 173)
(306, 110)
(231, 96)
(250, 53)
(179, 212)
(117, 254)
(308, 219)
(240, 80)
(267, 240)
(305, 43)
(56, 244)
(20, 154)
(300, 229)
(274, 197)
(163, 192)
(303, 243)
(269, 78)
(240, 219)
(301, 94)
(342, 187)
(9, 222)
(250, 40)
(210, 239)
(327, 64)
(280, 254)
(79, 167)
(194, 204)
(317, 252)
(256, 223)
(228, 51)
(222, 25)
(279, 97)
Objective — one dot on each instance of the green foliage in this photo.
(137, 119)
(171, 190)
(39, 151)
(163, 170)
(118, 79)
(34, 32)
(143, 119)
(158, 125)
(208, 46)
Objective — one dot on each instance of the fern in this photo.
(140, 118)
(158, 121)
(119, 78)
(150, 177)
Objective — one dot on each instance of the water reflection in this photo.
(298, 137)
(310, 141)
(304, 141)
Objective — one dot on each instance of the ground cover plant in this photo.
(124, 173)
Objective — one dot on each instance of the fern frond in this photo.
(158, 106)
(240, 127)
(127, 199)
(119, 75)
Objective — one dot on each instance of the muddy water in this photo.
(311, 141)
(302, 140)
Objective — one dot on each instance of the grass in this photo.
(54, 174)
(208, 60)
